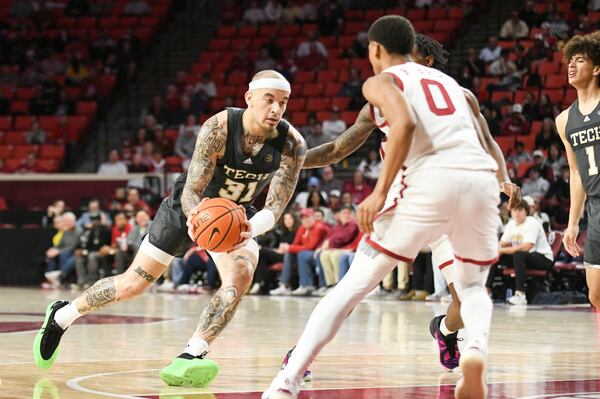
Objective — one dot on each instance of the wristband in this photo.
(262, 221)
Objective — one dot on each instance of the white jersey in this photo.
(445, 135)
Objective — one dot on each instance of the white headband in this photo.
(270, 83)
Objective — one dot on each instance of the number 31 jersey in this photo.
(583, 133)
(445, 134)
(240, 177)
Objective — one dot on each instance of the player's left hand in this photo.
(514, 193)
(368, 210)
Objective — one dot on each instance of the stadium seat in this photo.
(12, 164)
(5, 122)
(523, 168)
(555, 95)
(349, 117)
(528, 142)
(149, 21)
(304, 77)
(437, 13)
(424, 25)
(456, 13)
(86, 108)
(128, 22)
(289, 30)
(19, 107)
(506, 144)
(340, 102)
(498, 96)
(298, 104)
(339, 64)
(107, 22)
(314, 104)
(246, 31)
(267, 30)
(354, 15)
(47, 165)
(352, 28)
(415, 14)
(22, 150)
(570, 96)
(312, 89)
(86, 22)
(536, 128)
(25, 93)
(547, 68)
(6, 151)
(174, 164)
(308, 28)
(326, 76)
(52, 151)
(372, 14)
(556, 82)
(332, 89)
(299, 119)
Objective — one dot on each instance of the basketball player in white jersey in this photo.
(443, 328)
(444, 184)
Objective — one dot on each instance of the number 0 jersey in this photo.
(445, 134)
(583, 133)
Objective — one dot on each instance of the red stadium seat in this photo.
(556, 82)
(86, 22)
(314, 104)
(547, 68)
(299, 119)
(373, 14)
(128, 22)
(6, 151)
(14, 138)
(570, 96)
(308, 28)
(521, 94)
(456, 13)
(47, 165)
(345, 42)
(312, 89)
(536, 128)
(5, 122)
(267, 30)
(349, 117)
(340, 64)
(289, 30)
(246, 31)
(506, 144)
(332, 89)
(436, 13)
(24, 122)
(502, 95)
(21, 151)
(174, 164)
(354, 15)
(52, 151)
(523, 168)
(219, 44)
(237, 78)
(239, 43)
(149, 21)
(304, 77)
(327, 76)
(225, 91)
(528, 142)
(298, 104)
(352, 28)
(360, 63)
(19, 107)
(107, 22)
(555, 95)
(340, 102)
(25, 93)
(415, 14)
(423, 25)
(86, 108)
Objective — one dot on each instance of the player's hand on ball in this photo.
(570, 241)
(368, 210)
(190, 217)
(514, 193)
(246, 233)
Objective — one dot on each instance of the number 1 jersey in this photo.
(583, 133)
(445, 134)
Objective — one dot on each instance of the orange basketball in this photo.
(218, 224)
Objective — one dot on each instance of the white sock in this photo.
(444, 329)
(66, 315)
(196, 346)
(476, 312)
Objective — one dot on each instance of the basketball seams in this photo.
(224, 236)
(229, 210)
(220, 216)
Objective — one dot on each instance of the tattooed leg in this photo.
(140, 275)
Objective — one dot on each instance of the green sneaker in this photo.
(190, 371)
(45, 344)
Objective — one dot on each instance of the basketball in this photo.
(217, 224)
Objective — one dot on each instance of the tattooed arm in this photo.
(285, 178)
(344, 145)
(210, 145)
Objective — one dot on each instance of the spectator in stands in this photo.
(64, 106)
(514, 28)
(353, 88)
(559, 213)
(328, 23)
(29, 165)
(76, 72)
(308, 238)
(241, 62)
(310, 11)
(60, 258)
(54, 210)
(539, 161)
(292, 12)
(206, 87)
(558, 25)
(264, 61)
(147, 152)
(287, 66)
(128, 245)
(474, 63)
(506, 70)
(273, 11)
(560, 187)
(334, 126)
(318, 137)
(528, 14)
(311, 123)
(544, 108)
(312, 54)
(158, 110)
(520, 155)
(284, 232)
(254, 14)
(230, 13)
(93, 209)
(371, 166)
(172, 99)
(347, 199)
(182, 114)
(158, 162)
(541, 50)
(536, 212)
(36, 135)
(522, 60)
(77, 8)
(339, 237)
(555, 160)
(523, 246)
(334, 200)
(135, 203)
(136, 8)
(515, 124)
(93, 252)
(303, 197)
(357, 187)
(141, 137)
(137, 164)
(113, 167)
(22, 8)
(186, 140)
(195, 260)
(274, 49)
(329, 181)
(491, 52)
(535, 185)
(118, 199)
(529, 107)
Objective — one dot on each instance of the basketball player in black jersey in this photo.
(238, 152)
(579, 129)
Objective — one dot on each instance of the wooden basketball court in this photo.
(383, 351)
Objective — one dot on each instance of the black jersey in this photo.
(583, 132)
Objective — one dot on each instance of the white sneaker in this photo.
(255, 290)
(184, 288)
(282, 290)
(322, 291)
(518, 299)
(433, 297)
(167, 286)
(53, 277)
(282, 388)
(303, 291)
(446, 299)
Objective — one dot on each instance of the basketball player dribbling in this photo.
(445, 184)
(443, 328)
(579, 129)
(238, 152)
